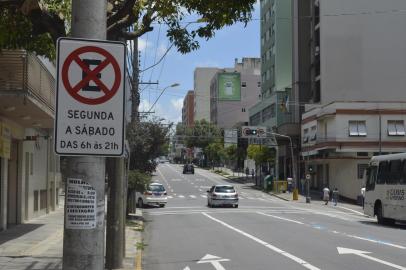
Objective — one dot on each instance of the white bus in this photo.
(385, 189)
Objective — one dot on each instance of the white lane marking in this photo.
(181, 196)
(272, 247)
(214, 261)
(192, 196)
(203, 196)
(170, 197)
(176, 180)
(281, 218)
(349, 209)
(201, 190)
(363, 254)
(374, 241)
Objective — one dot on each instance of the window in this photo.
(305, 135)
(314, 133)
(383, 171)
(243, 84)
(395, 171)
(357, 128)
(243, 109)
(361, 169)
(362, 154)
(36, 206)
(371, 178)
(403, 178)
(268, 112)
(396, 128)
(31, 163)
(259, 84)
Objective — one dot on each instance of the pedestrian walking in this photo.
(326, 195)
(335, 196)
(363, 196)
(252, 173)
(247, 171)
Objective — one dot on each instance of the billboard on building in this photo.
(229, 86)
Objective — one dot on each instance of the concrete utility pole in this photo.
(115, 231)
(83, 249)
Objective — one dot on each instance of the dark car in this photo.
(188, 168)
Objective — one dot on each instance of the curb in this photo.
(136, 262)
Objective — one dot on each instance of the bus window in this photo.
(394, 172)
(403, 177)
(383, 171)
(371, 177)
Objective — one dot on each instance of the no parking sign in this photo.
(90, 97)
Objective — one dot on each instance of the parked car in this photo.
(219, 195)
(154, 194)
(188, 168)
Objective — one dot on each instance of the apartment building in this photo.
(277, 108)
(188, 109)
(233, 91)
(357, 109)
(202, 79)
(29, 171)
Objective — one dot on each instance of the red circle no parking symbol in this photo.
(91, 75)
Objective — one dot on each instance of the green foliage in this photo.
(16, 33)
(231, 152)
(138, 180)
(260, 154)
(215, 152)
(148, 140)
(35, 25)
(200, 135)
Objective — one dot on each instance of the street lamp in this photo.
(163, 90)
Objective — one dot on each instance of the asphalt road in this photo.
(263, 233)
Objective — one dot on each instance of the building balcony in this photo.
(27, 89)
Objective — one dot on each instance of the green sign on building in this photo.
(229, 86)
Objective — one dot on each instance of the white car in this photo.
(155, 194)
(219, 195)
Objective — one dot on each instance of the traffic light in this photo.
(251, 132)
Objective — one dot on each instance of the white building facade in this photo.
(202, 79)
(358, 62)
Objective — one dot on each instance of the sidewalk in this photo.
(37, 245)
(315, 199)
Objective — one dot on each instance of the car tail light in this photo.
(147, 193)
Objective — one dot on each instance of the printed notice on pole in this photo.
(81, 205)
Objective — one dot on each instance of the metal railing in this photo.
(23, 73)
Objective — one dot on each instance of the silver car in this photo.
(219, 195)
(155, 194)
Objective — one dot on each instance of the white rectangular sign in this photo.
(90, 97)
(81, 205)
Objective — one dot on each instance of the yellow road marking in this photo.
(138, 265)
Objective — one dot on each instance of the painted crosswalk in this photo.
(197, 196)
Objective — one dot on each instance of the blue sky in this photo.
(229, 43)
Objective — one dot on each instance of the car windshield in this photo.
(156, 188)
(224, 189)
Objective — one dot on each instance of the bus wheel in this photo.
(379, 214)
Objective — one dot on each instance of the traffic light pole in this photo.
(295, 180)
(83, 248)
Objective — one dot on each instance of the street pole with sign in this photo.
(89, 127)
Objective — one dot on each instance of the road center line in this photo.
(281, 218)
(273, 248)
